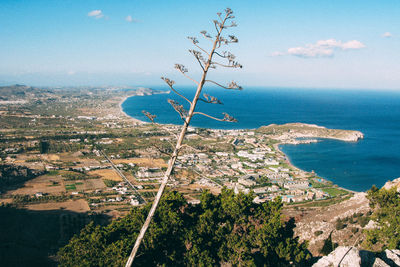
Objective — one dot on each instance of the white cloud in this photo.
(354, 44)
(310, 51)
(130, 19)
(387, 35)
(328, 43)
(322, 48)
(98, 14)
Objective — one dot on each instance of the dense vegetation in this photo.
(227, 228)
(28, 238)
(12, 175)
(386, 205)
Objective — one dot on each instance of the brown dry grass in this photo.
(144, 162)
(106, 174)
(93, 184)
(41, 184)
(184, 174)
(193, 187)
(6, 200)
(51, 157)
(45, 185)
(79, 205)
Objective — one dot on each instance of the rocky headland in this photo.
(296, 133)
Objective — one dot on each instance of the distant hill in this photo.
(19, 91)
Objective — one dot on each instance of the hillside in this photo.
(22, 92)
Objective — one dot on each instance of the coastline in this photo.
(357, 136)
(289, 162)
(138, 92)
(121, 110)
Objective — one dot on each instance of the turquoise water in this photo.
(356, 166)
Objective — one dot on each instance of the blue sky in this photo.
(288, 43)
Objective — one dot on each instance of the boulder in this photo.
(345, 256)
(353, 257)
(394, 183)
(391, 257)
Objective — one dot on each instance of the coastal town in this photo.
(82, 153)
(134, 134)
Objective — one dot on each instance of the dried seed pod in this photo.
(149, 115)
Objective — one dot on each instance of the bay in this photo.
(355, 165)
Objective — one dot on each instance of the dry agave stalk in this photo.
(206, 61)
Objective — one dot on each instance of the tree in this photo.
(206, 61)
(228, 228)
(339, 225)
(386, 212)
(44, 146)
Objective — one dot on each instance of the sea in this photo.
(352, 165)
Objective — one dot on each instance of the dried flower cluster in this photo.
(206, 62)
(178, 108)
(211, 99)
(149, 115)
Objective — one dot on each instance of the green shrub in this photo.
(318, 233)
(354, 230)
(110, 183)
(363, 221)
(227, 228)
(339, 225)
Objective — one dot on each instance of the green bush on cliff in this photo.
(386, 205)
(225, 228)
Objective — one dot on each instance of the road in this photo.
(124, 177)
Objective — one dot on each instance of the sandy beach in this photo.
(121, 111)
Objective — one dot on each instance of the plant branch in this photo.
(170, 84)
(149, 115)
(187, 119)
(205, 52)
(210, 99)
(184, 70)
(227, 117)
(231, 86)
(218, 54)
(178, 108)
(162, 150)
(232, 65)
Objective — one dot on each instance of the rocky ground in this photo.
(316, 224)
(353, 257)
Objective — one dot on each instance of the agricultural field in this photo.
(79, 205)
